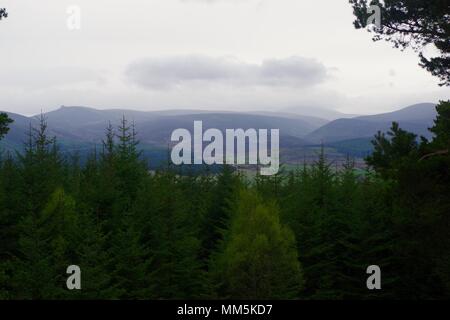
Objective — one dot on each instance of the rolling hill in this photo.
(155, 128)
(81, 128)
(416, 118)
(318, 112)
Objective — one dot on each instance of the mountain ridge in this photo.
(79, 127)
(416, 118)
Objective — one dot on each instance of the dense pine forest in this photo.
(306, 234)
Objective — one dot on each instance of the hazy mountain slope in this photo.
(315, 121)
(17, 131)
(80, 128)
(77, 117)
(417, 118)
(415, 113)
(158, 131)
(81, 125)
(317, 112)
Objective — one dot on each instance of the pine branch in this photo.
(437, 153)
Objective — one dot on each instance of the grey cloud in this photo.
(157, 73)
(295, 70)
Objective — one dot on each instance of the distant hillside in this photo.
(81, 128)
(88, 125)
(416, 118)
(17, 131)
(318, 112)
(314, 121)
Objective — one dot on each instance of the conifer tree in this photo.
(130, 261)
(165, 222)
(46, 248)
(5, 120)
(259, 257)
(10, 199)
(217, 218)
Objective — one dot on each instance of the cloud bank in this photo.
(163, 73)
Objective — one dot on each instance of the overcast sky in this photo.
(202, 54)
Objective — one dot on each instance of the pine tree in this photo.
(46, 248)
(258, 259)
(10, 199)
(162, 212)
(130, 261)
(217, 217)
(130, 168)
(94, 259)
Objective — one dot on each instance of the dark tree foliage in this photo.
(5, 121)
(441, 127)
(391, 149)
(412, 23)
(3, 13)
(420, 180)
(216, 218)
